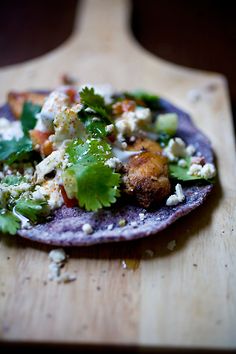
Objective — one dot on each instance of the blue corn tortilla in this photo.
(64, 226)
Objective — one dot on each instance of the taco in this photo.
(86, 166)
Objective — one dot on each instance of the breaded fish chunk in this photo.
(146, 174)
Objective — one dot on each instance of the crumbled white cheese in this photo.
(66, 126)
(51, 191)
(58, 255)
(172, 200)
(54, 271)
(175, 149)
(171, 245)
(190, 150)
(113, 162)
(208, 171)
(124, 145)
(129, 123)
(55, 103)
(176, 198)
(195, 170)
(179, 192)
(10, 130)
(182, 163)
(48, 164)
(87, 229)
(109, 128)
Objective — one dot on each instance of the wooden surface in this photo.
(183, 298)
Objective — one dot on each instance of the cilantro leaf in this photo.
(96, 128)
(94, 150)
(28, 116)
(96, 185)
(94, 101)
(32, 209)
(14, 150)
(151, 100)
(9, 223)
(181, 173)
(12, 180)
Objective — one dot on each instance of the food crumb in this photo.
(58, 258)
(87, 229)
(142, 216)
(171, 245)
(110, 227)
(122, 222)
(66, 278)
(149, 253)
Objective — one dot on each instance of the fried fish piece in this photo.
(146, 174)
(16, 100)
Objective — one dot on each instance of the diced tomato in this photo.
(38, 137)
(123, 106)
(47, 148)
(41, 139)
(73, 95)
(111, 138)
(70, 203)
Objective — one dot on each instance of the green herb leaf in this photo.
(181, 173)
(13, 180)
(151, 100)
(14, 150)
(94, 150)
(96, 128)
(32, 209)
(96, 185)
(94, 101)
(28, 116)
(9, 223)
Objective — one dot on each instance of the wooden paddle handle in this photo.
(101, 24)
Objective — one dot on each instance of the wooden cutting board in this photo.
(179, 298)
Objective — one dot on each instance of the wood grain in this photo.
(184, 298)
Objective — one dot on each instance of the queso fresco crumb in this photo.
(90, 147)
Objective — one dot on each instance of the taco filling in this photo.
(94, 150)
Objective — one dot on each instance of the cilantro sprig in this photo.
(9, 223)
(95, 114)
(32, 209)
(89, 180)
(15, 150)
(94, 101)
(28, 116)
(181, 173)
(19, 149)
